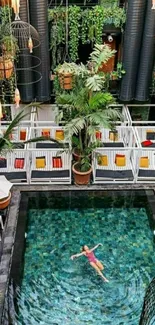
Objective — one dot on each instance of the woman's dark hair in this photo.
(83, 248)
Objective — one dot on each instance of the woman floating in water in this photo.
(97, 265)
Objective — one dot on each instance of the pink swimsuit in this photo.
(91, 257)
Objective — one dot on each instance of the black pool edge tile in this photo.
(19, 243)
(6, 256)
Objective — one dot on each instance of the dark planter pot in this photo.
(114, 84)
(111, 29)
(5, 202)
(81, 178)
(77, 156)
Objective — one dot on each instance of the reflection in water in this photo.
(56, 290)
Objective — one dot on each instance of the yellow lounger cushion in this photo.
(144, 162)
(120, 161)
(40, 162)
(103, 160)
(59, 134)
(113, 135)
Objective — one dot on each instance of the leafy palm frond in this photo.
(95, 83)
(114, 114)
(100, 101)
(40, 139)
(18, 118)
(74, 127)
(66, 99)
(99, 119)
(5, 142)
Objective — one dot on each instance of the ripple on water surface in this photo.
(57, 290)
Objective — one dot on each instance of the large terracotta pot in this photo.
(6, 67)
(77, 155)
(5, 202)
(66, 81)
(81, 178)
(109, 66)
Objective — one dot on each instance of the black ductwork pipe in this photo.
(131, 47)
(25, 75)
(39, 19)
(147, 56)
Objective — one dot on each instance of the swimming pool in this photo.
(56, 290)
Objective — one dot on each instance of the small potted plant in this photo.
(66, 73)
(8, 49)
(116, 76)
(118, 73)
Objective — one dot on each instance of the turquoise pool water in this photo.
(56, 290)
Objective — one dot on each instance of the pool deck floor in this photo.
(9, 232)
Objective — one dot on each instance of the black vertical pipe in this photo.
(25, 76)
(39, 19)
(147, 56)
(131, 47)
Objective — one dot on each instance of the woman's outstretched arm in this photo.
(92, 249)
(77, 255)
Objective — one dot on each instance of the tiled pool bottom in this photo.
(56, 290)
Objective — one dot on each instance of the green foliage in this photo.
(84, 25)
(109, 3)
(9, 50)
(118, 74)
(85, 115)
(95, 83)
(101, 55)
(85, 109)
(88, 76)
(74, 36)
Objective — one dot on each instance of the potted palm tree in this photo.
(85, 109)
(90, 113)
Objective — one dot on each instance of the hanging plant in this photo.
(98, 19)
(57, 18)
(85, 25)
(74, 35)
(115, 16)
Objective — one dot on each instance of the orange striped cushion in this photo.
(57, 162)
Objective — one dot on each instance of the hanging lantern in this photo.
(153, 4)
(1, 113)
(30, 44)
(15, 4)
(17, 97)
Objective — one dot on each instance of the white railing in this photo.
(45, 113)
(125, 145)
(50, 172)
(128, 142)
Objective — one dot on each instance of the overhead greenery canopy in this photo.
(85, 25)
